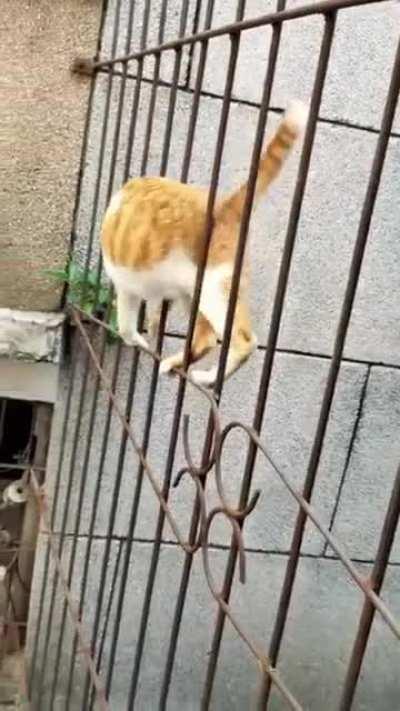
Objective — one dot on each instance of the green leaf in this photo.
(87, 307)
(57, 274)
(93, 278)
(75, 293)
(113, 320)
(104, 295)
(76, 274)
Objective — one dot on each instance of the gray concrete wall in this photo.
(362, 445)
(43, 110)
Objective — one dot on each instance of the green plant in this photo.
(85, 291)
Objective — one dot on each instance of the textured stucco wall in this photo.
(42, 111)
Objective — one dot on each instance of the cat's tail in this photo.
(272, 159)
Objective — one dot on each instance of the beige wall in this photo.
(42, 115)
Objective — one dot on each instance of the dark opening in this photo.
(17, 441)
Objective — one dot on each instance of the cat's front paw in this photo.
(171, 362)
(134, 339)
(206, 378)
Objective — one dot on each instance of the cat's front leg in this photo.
(127, 314)
(153, 316)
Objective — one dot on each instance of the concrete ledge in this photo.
(31, 335)
(37, 382)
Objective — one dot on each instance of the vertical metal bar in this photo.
(150, 115)
(80, 501)
(85, 143)
(107, 615)
(191, 48)
(240, 10)
(174, 88)
(368, 611)
(195, 516)
(154, 382)
(132, 380)
(196, 97)
(3, 410)
(132, 384)
(105, 559)
(138, 86)
(181, 389)
(133, 516)
(121, 100)
(121, 457)
(151, 399)
(185, 170)
(164, 163)
(86, 563)
(149, 416)
(86, 364)
(103, 141)
(40, 626)
(154, 88)
(186, 571)
(56, 498)
(116, 137)
(31, 518)
(117, 130)
(273, 334)
(354, 273)
(132, 127)
(64, 521)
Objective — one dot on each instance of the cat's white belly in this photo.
(169, 279)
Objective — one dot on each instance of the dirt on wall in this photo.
(42, 116)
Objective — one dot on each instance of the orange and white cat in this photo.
(152, 239)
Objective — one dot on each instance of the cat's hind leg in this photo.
(204, 339)
(127, 314)
(243, 341)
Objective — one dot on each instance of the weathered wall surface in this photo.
(42, 115)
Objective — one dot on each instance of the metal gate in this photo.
(95, 382)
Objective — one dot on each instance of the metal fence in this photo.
(90, 344)
(24, 435)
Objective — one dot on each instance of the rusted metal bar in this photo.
(344, 320)
(95, 208)
(61, 539)
(79, 504)
(84, 649)
(237, 516)
(33, 688)
(315, 8)
(369, 608)
(110, 187)
(186, 570)
(30, 525)
(274, 327)
(207, 516)
(151, 400)
(182, 385)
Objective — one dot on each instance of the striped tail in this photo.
(271, 161)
